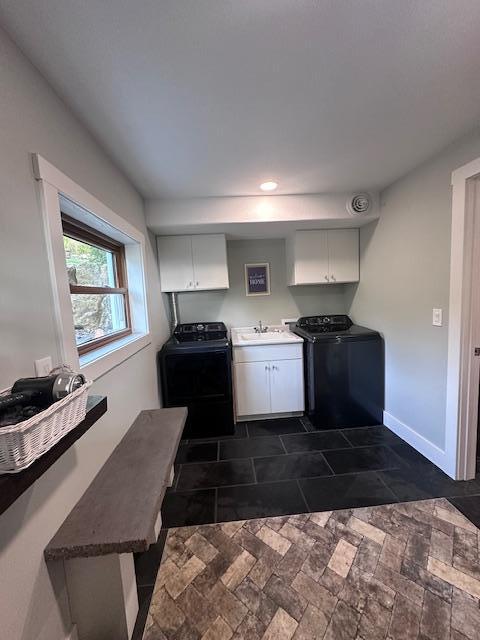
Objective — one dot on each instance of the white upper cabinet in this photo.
(323, 256)
(210, 262)
(189, 263)
(343, 258)
(311, 257)
(176, 265)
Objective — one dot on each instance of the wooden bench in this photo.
(118, 515)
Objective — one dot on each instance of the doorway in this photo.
(463, 377)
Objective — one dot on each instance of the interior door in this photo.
(210, 261)
(252, 388)
(175, 260)
(311, 257)
(286, 386)
(343, 255)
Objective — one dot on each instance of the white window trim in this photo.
(53, 184)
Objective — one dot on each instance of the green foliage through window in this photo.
(94, 267)
(100, 314)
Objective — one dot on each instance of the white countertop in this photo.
(277, 334)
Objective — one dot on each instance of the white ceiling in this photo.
(212, 97)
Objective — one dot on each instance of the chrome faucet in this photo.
(260, 328)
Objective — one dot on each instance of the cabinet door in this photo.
(311, 257)
(252, 388)
(286, 386)
(175, 260)
(210, 262)
(343, 253)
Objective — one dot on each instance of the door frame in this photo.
(464, 324)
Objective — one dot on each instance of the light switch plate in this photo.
(437, 318)
(43, 366)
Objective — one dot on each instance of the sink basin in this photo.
(265, 335)
(246, 336)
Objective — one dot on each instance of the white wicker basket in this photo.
(22, 443)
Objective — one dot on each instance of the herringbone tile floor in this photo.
(399, 571)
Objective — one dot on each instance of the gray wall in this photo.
(405, 262)
(236, 309)
(32, 119)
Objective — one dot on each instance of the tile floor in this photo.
(401, 571)
(280, 467)
(283, 467)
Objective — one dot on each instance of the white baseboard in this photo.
(420, 443)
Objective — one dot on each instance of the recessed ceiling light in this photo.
(269, 186)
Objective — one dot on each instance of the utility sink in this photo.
(247, 336)
(265, 335)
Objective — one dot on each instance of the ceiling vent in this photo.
(359, 204)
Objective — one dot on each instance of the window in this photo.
(97, 277)
(116, 324)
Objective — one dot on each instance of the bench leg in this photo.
(103, 596)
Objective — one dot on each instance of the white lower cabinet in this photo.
(264, 386)
(286, 386)
(252, 388)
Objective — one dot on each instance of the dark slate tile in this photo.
(275, 427)
(410, 456)
(197, 452)
(470, 507)
(345, 492)
(423, 482)
(251, 447)
(215, 474)
(147, 563)
(240, 432)
(364, 436)
(188, 508)
(293, 465)
(315, 441)
(259, 501)
(305, 420)
(362, 459)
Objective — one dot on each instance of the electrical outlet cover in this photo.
(43, 366)
(437, 317)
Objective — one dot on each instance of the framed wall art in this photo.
(257, 279)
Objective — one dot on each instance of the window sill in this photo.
(97, 363)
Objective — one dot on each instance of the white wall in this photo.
(33, 119)
(405, 262)
(236, 309)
